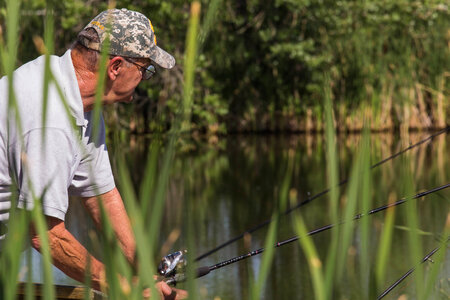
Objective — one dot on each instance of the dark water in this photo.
(230, 186)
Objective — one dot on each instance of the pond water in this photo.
(232, 185)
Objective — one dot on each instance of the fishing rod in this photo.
(309, 199)
(398, 281)
(171, 268)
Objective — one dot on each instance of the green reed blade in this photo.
(354, 191)
(101, 78)
(29, 289)
(333, 181)
(40, 224)
(410, 213)
(366, 204)
(18, 223)
(11, 252)
(189, 217)
(191, 54)
(314, 262)
(189, 65)
(209, 20)
(49, 35)
(436, 265)
(267, 257)
(150, 174)
(145, 245)
(419, 231)
(384, 246)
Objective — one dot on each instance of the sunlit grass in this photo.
(146, 237)
(333, 182)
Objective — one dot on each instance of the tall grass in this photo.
(333, 180)
(145, 209)
(328, 278)
(18, 226)
(257, 287)
(145, 205)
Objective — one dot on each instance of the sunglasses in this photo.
(147, 73)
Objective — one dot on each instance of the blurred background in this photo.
(261, 64)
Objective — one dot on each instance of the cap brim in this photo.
(164, 59)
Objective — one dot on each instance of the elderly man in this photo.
(58, 156)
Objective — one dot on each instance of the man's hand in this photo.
(166, 292)
(169, 293)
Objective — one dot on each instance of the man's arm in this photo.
(68, 254)
(71, 257)
(113, 205)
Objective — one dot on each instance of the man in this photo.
(62, 157)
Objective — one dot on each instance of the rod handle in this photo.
(202, 271)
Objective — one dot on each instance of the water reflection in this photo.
(230, 187)
(237, 187)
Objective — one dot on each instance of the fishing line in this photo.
(171, 264)
(309, 199)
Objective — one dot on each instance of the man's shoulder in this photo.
(28, 88)
(36, 65)
(27, 70)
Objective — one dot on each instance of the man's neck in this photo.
(87, 80)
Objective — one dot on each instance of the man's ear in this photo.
(114, 67)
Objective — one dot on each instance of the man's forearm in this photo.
(69, 255)
(115, 210)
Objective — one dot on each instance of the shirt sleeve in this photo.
(45, 165)
(93, 175)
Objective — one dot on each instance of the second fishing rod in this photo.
(171, 268)
(310, 199)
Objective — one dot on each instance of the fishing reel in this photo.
(172, 267)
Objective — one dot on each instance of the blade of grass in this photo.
(18, 223)
(350, 206)
(360, 165)
(384, 245)
(366, 203)
(145, 247)
(189, 65)
(314, 262)
(411, 215)
(191, 53)
(438, 261)
(29, 288)
(191, 243)
(333, 181)
(40, 224)
(267, 257)
(49, 35)
(101, 77)
(181, 122)
(11, 252)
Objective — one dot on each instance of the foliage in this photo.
(261, 66)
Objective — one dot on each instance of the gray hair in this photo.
(91, 57)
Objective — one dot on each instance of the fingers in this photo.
(165, 289)
(180, 294)
(171, 293)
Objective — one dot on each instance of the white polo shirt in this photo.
(49, 157)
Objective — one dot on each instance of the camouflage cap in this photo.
(132, 35)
